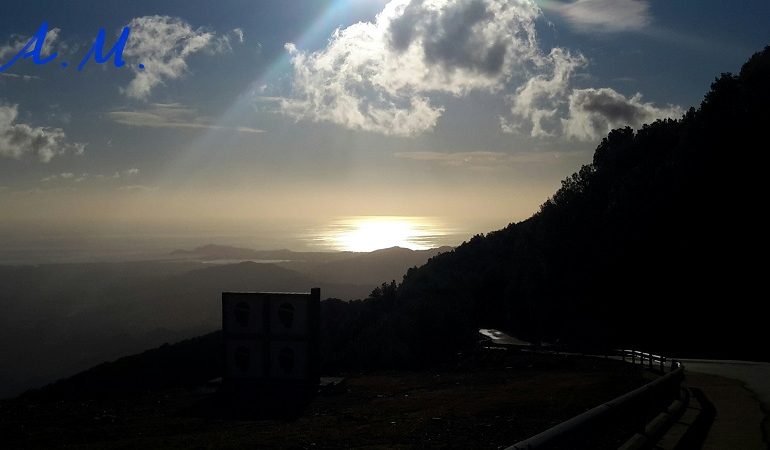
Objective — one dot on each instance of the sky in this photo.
(289, 115)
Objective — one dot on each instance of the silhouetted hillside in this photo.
(647, 246)
(189, 363)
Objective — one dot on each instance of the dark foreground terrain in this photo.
(486, 401)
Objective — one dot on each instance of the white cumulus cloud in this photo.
(17, 42)
(535, 104)
(163, 44)
(18, 140)
(390, 75)
(378, 76)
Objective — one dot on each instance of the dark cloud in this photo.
(403, 29)
(611, 106)
(450, 38)
(594, 112)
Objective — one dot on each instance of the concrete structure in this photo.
(270, 346)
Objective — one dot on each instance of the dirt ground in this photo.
(491, 402)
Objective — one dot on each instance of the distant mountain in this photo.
(194, 297)
(187, 363)
(357, 268)
(213, 252)
(370, 268)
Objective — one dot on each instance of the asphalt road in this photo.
(734, 388)
(755, 375)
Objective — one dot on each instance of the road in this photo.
(497, 337)
(739, 422)
(755, 375)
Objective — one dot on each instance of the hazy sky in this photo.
(266, 111)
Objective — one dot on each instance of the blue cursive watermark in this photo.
(34, 48)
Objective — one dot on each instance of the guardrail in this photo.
(649, 359)
(656, 393)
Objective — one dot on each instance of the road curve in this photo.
(755, 375)
(738, 415)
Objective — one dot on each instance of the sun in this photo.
(368, 233)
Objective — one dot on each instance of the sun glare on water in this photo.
(368, 233)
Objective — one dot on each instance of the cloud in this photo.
(172, 115)
(17, 42)
(77, 148)
(594, 112)
(83, 177)
(222, 44)
(377, 76)
(603, 16)
(128, 173)
(547, 107)
(59, 176)
(163, 44)
(484, 159)
(536, 103)
(454, 159)
(18, 140)
(17, 76)
(238, 33)
(389, 76)
(135, 188)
